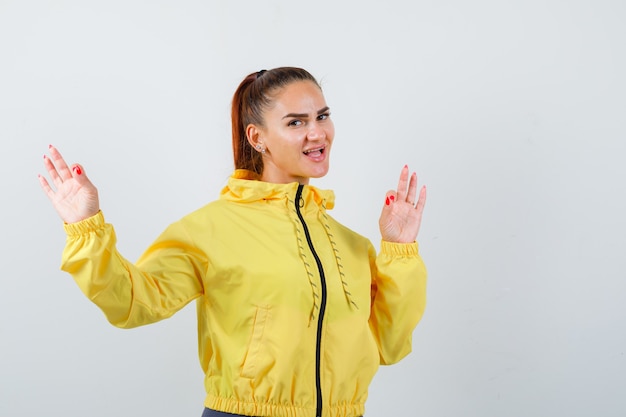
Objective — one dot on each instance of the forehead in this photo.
(299, 94)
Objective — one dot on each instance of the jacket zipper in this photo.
(318, 346)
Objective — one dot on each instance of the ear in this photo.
(254, 135)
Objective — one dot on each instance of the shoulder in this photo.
(346, 233)
(205, 215)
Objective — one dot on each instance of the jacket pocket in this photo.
(254, 360)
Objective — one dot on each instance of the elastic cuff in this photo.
(88, 225)
(399, 249)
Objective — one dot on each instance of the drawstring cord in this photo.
(344, 282)
(300, 239)
(291, 208)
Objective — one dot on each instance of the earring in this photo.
(260, 148)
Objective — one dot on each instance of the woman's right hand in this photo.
(74, 197)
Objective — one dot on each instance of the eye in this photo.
(295, 123)
(324, 116)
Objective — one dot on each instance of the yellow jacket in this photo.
(295, 311)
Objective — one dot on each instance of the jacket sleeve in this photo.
(165, 278)
(398, 298)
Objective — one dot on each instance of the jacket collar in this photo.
(246, 187)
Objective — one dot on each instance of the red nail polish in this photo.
(391, 198)
(387, 201)
(77, 170)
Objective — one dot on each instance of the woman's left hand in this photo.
(402, 215)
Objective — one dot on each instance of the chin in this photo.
(319, 173)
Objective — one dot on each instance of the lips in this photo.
(315, 152)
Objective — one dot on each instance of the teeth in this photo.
(313, 150)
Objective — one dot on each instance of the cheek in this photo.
(330, 131)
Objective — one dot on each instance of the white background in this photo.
(512, 112)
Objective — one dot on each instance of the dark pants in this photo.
(213, 413)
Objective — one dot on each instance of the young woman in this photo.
(295, 311)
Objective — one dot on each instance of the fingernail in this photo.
(387, 201)
(391, 198)
(49, 146)
(77, 170)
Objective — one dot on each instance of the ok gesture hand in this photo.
(402, 215)
(74, 197)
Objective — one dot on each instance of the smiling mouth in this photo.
(315, 152)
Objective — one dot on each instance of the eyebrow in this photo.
(304, 115)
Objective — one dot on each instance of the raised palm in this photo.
(74, 197)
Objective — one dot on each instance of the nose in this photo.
(316, 132)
